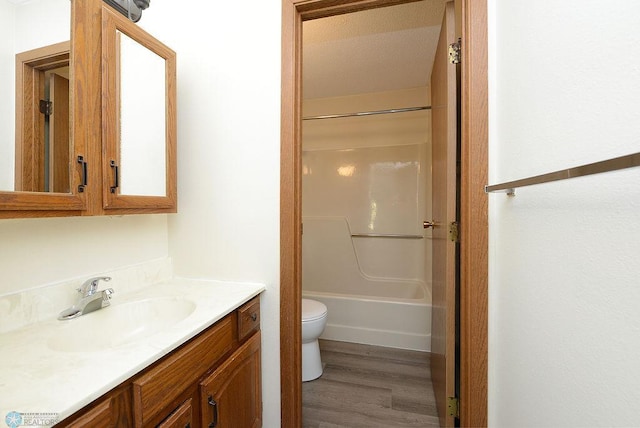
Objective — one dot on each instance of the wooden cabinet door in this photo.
(231, 396)
(139, 133)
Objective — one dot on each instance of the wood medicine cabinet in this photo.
(118, 154)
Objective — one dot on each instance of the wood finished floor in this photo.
(369, 386)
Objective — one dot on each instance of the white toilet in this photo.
(314, 319)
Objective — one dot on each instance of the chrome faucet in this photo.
(90, 299)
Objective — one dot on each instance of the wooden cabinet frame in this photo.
(86, 135)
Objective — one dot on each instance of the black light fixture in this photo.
(132, 9)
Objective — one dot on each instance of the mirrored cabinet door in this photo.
(39, 166)
(139, 118)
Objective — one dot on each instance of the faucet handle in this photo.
(106, 297)
(90, 286)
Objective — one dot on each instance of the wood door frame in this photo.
(474, 209)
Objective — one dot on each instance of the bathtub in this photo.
(384, 321)
(374, 310)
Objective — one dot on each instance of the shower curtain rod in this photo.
(367, 113)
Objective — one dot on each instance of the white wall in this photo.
(228, 152)
(37, 252)
(564, 330)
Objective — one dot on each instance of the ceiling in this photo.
(378, 50)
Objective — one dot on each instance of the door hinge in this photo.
(454, 231)
(455, 52)
(46, 107)
(453, 409)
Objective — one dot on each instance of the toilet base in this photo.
(311, 363)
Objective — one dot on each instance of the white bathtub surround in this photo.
(46, 301)
(384, 311)
(38, 376)
(331, 264)
(378, 189)
(362, 178)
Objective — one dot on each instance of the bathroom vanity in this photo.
(176, 354)
(212, 379)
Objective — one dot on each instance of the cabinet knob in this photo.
(254, 316)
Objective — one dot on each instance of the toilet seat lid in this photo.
(312, 310)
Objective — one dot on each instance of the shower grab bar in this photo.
(367, 113)
(622, 162)
(385, 235)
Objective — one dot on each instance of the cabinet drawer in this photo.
(112, 410)
(154, 390)
(248, 318)
(181, 418)
(99, 416)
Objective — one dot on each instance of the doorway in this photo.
(366, 191)
(473, 211)
(366, 172)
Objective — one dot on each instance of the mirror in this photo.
(142, 119)
(35, 143)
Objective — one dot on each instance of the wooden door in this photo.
(59, 147)
(444, 121)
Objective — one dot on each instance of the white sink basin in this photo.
(120, 324)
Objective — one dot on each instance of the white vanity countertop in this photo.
(38, 377)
